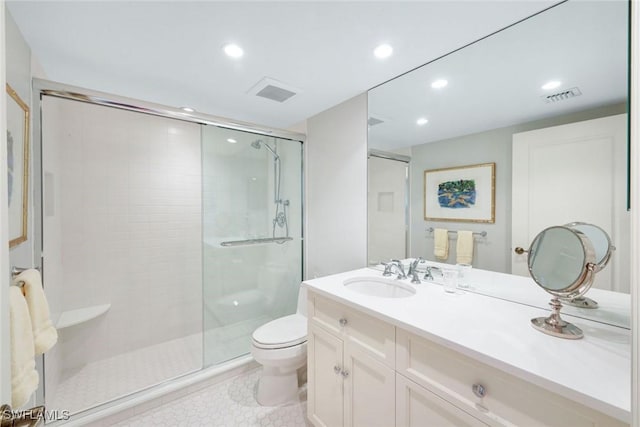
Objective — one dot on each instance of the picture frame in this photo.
(461, 193)
(18, 166)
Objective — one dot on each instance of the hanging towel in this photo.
(44, 334)
(464, 247)
(24, 378)
(441, 243)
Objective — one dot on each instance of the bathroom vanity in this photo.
(414, 355)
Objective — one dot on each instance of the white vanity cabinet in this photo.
(351, 362)
(488, 394)
(365, 371)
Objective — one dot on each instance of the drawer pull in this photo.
(337, 369)
(479, 390)
(343, 322)
(344, 374)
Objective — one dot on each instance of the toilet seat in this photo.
(284, 332)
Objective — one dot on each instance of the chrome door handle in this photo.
(343, 322)
(520, 250)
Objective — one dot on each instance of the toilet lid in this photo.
(282, 332)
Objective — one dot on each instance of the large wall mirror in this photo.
(545, 100)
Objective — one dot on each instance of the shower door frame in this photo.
(42, 87)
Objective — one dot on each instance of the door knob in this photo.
(520, 250)
(344, 374)
(343, 322)
(337, 369)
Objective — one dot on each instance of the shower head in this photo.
(258, 143)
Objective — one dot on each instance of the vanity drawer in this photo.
(508, 401)
(357, 329)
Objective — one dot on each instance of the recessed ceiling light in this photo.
(551, 85)
(233, 50)
(383, 51)
(231, 141)
(439, 84)
(187, 109)
(422, 121)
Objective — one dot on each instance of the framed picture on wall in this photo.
(463, 193)
(18, 166)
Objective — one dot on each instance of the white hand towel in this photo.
(441, 243)
(464, 247)
(44, 334)
(24, 378)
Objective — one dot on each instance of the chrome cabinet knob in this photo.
(479, 390)
(344, 374)
(343, 322)
(337, 369)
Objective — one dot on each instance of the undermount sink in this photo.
(379, 287)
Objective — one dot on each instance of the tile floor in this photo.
(227, 404)
(107, 379)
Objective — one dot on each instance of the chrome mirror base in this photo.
(581, 302)
(555, 326)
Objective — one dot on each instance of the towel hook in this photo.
(15, 271)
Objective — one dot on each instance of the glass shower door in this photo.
(252, 236)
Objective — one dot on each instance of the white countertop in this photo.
(594, 371)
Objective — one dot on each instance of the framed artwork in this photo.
(462, 194)
(18, 166)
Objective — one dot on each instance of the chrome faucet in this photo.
(394, 265)
(400, 268)
(413, 270)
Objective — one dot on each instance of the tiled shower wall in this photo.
(122, 226)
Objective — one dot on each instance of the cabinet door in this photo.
(325, 382)
(418, 407)
(369, 390)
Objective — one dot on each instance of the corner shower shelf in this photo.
(81, 315)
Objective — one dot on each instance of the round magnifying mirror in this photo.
(561, 261)
(603, 251)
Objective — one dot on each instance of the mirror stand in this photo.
(554, 325)
(581, 302)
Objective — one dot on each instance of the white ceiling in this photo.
(170, 52)
(497, 81)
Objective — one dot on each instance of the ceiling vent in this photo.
(561, 96)
(273, 90)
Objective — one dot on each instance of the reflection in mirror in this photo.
(561, 261)
(560, 153)
(603, 249)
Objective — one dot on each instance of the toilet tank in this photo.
(302, 301)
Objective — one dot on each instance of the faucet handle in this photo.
(387, 268)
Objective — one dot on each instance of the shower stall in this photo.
(166, 240)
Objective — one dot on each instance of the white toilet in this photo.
(280, 346)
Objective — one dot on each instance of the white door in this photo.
(369, 390)
(387, 222)
(574, 172)
(325, 384)
(418, 407)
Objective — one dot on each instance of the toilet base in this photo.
(276, 388)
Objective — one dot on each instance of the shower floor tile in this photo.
(231, 403)
(108, 379)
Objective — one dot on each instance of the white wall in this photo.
(494, 251)
(336, 189)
